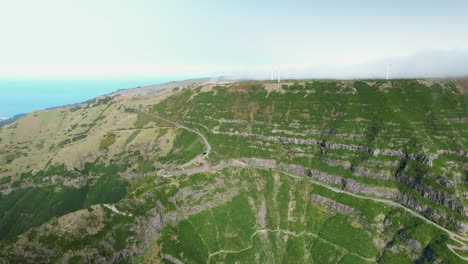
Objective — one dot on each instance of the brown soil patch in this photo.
(275, 87)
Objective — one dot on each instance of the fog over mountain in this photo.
(428, 64)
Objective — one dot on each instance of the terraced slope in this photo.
(307, 171)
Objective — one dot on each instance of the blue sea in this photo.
(18, 96)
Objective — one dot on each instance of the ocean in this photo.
(18, 96)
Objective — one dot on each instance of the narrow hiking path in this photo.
(454, 251)
(290, 233)
(236, 163)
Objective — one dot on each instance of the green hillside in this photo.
(314, 171)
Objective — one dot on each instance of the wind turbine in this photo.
(388, 71)
(279, 74)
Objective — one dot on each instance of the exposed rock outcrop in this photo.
(436, 214)
(331, 205)
(380, 174)
(348, 184)
(430, 193)
(329, 145)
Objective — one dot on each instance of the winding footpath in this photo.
(462, 240)
(289, 233)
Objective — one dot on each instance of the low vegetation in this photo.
(296, 172)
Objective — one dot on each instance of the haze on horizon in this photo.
(306, 39)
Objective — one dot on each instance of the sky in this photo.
(321, 38)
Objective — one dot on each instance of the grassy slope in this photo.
(406, 115)
(299, 231)
(101, 143)
(72, 158)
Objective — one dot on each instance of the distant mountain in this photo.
(9, 120)
(153, 89)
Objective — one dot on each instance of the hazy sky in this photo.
(151, 37)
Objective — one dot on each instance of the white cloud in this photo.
(429, 64)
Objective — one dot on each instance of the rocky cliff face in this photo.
(437, 196)
(423, 158)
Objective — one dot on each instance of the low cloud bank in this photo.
(431, 64)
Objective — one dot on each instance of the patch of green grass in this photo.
(132, 137)
(144, 118)
(338, 230)
(20, 210)
(186, 147)
(107, 141)
(5, 180)
(107, 189)
(184, 242)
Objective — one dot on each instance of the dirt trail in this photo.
(286, 232)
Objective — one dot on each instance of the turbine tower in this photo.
(388, 71)
(279, 74)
